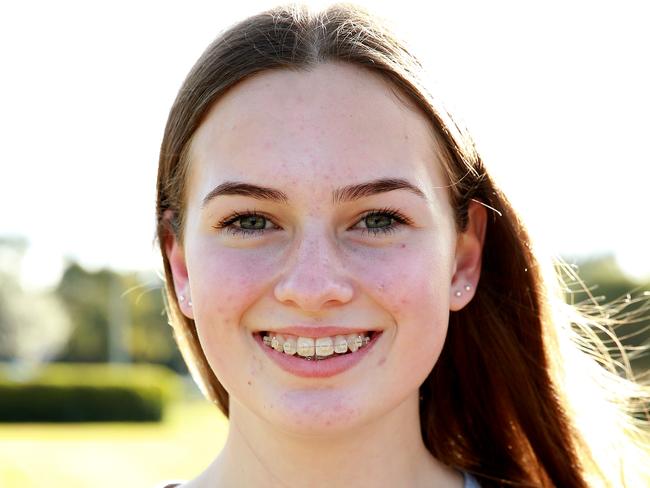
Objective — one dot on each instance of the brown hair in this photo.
(493, 404)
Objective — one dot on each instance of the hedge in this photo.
(87, 393)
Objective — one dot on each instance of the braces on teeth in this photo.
(315, 349)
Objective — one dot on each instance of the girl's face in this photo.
(353, 228)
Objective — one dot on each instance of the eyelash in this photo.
(227, 223)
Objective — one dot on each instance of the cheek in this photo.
(406, 280)
(224, 284)
(225, 281)
(412, 286)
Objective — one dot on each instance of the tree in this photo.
(34, 326)
(117, 317)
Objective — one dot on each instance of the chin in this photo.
(318, 411)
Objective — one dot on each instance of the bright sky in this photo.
(556, 94)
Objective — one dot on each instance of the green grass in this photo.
(112, 454)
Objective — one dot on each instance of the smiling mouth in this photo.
(316, 349)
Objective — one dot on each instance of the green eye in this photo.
(383, 222)
(378, 220)
(252, 222)
(247, 224)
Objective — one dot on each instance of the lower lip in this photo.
(322, 368)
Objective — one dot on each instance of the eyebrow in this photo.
(344, 194)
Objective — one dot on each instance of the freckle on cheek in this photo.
(381, 361)
(256, 366)
(402, 246)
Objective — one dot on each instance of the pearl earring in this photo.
(190, 303)
(459, 293)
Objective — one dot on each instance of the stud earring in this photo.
(190, 303)
(459, 293)
(181, 298)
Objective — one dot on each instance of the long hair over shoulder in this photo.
(501, 401)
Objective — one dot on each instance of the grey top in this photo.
(470, 481)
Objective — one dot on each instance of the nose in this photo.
(314, 278)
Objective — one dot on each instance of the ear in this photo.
(176, 257)
(469, 250)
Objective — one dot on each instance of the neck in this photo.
(386, 452)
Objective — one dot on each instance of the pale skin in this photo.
(321, 261)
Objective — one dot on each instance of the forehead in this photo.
(335, 123)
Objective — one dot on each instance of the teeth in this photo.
(290, 345)
(305, 346)
(340, 344)
(277, 343)
(321, 347)
(324, 346)
(354, 342)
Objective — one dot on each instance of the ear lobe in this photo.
(469, 252)
(176, 257)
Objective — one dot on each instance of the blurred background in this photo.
(555, 94)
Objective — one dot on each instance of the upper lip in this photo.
(317, 331)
